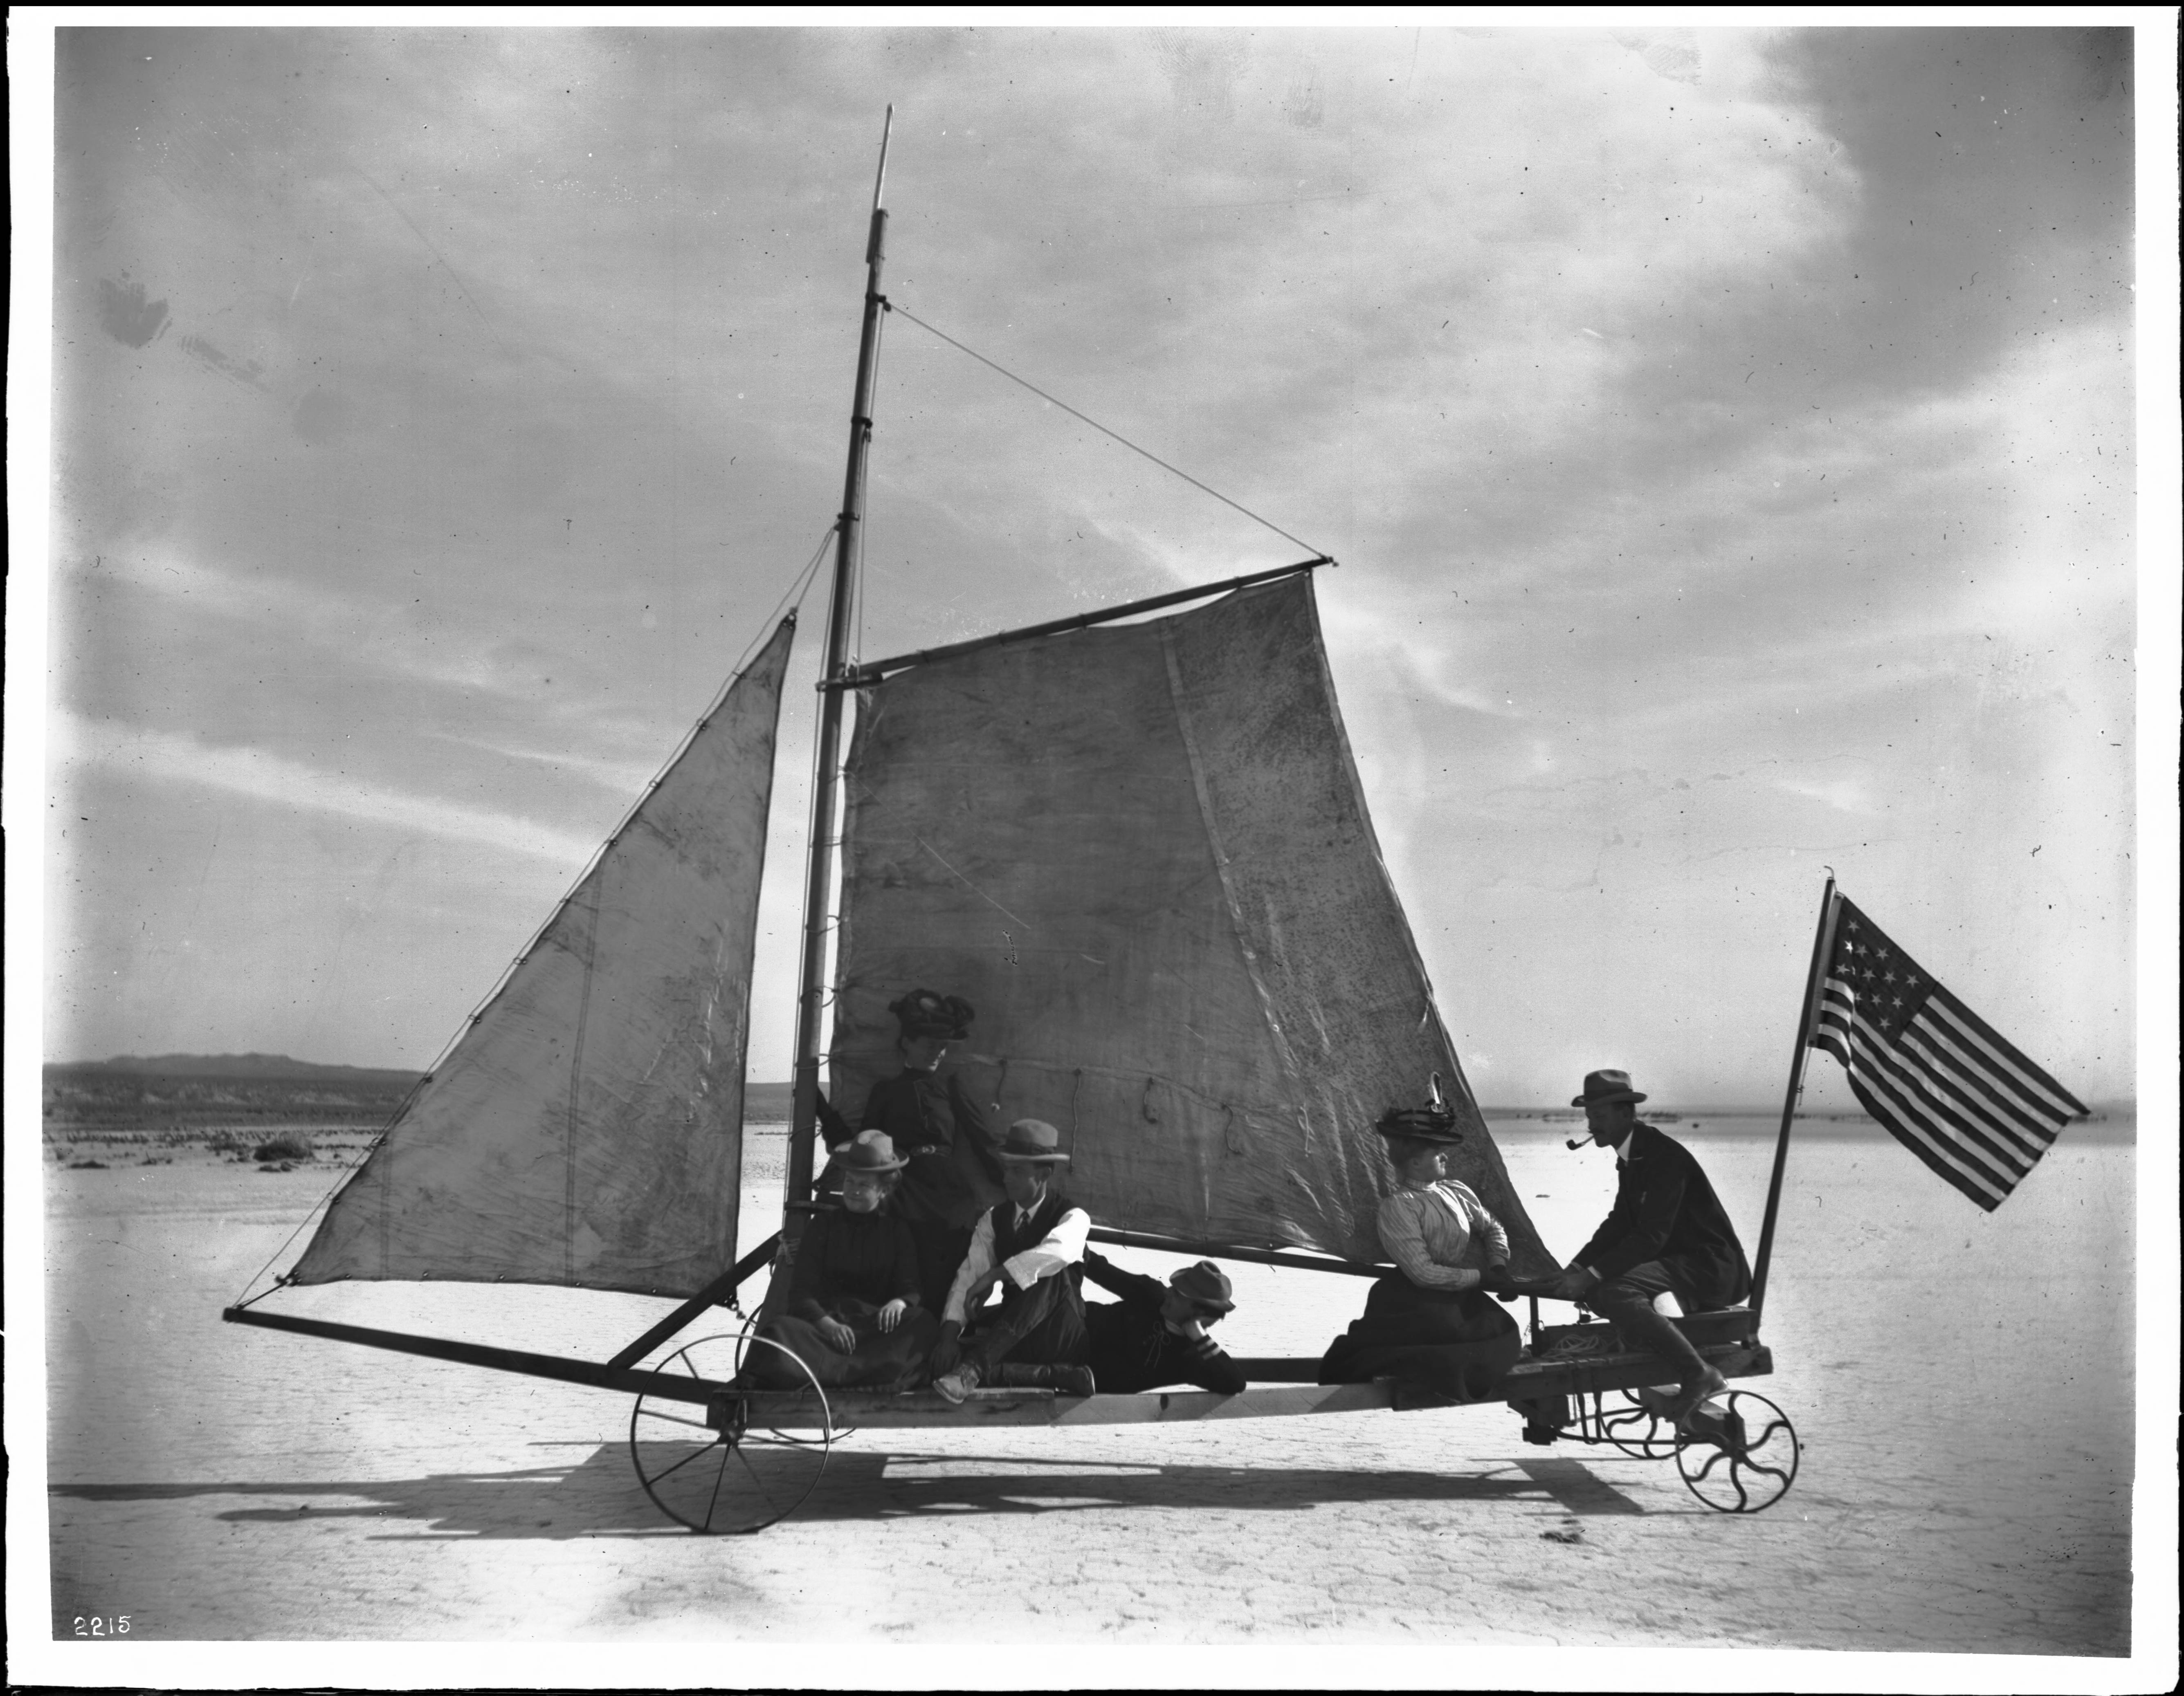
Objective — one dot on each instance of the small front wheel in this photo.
(1738, 1453)
(705, 1466)
(1636, 1427)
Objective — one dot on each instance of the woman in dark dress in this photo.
(854, 1313)
(953, 1175)
(1431, 1319)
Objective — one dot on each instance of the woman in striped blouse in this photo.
(1445, 1243)
(1431, 1319)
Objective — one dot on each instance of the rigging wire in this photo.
(800, 586)
(1112, 435)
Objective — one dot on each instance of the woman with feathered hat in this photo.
(952, 1175)
(1430, 1318)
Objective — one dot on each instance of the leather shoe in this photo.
(954, 1386)
(1689, 1396)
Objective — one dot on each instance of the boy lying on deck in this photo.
(1156, 1335)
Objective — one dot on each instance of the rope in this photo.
(1111, 434)
(246, 1298)
(799, 587)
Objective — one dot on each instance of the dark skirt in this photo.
(882, 1358)
(1456, 1342)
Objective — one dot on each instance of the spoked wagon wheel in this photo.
(1738, 1454)
(1636, 1429)
(729, 1477)
(744, 1340)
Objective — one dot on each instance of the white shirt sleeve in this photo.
(1063, 1246)
(1403, 1236)
(976, 1264)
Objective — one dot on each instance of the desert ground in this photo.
(1961, 1383)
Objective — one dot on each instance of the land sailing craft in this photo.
(1141, 854)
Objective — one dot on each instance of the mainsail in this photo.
(1143, 854)
(587, 1128)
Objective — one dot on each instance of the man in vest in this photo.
(1667, 1233)
(1030, 1247)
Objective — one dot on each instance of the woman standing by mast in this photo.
(952, 1175)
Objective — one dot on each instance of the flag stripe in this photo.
(1914, 1107)
(1945, 1162)
(2033, 1134)
(2036, 1083)
(1981, 1186)
(1884, 1076)
(1986, 1195)
(1916, 1100)
(1947, 1044)
(1973, 1089)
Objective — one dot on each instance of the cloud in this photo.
(1845, 796)
(362, 631)
(161, 756)
(344, 659)
(622, 777)
(1675, 404)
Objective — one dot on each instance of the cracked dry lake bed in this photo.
(1961, 1384)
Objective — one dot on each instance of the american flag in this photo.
(1930, 1069)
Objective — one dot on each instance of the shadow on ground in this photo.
(599, 1495)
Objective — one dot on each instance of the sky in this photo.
(1728, 438)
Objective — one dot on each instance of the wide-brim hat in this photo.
(1606, 1085)
(925, 1013)
(1032, 1143)
(870, 1151)
(1204, 1283)
(1429, 1124)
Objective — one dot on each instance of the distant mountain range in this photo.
(233, 1067)
(760, 1100)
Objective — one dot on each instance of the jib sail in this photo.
(587, 1128)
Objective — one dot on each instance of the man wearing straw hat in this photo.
(1667, 1233)
(1030, 1247)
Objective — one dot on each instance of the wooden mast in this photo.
(810, 999)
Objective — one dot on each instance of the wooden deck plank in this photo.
(1526, 1381)
(923, 1408)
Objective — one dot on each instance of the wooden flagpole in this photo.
(1822, 936)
